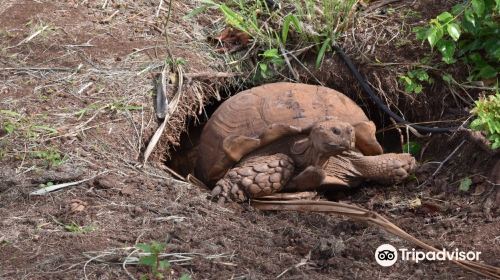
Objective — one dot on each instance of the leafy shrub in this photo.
(487, 113)
(469, 32)
(413, 80)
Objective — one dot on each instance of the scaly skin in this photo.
(255, 177)
(351, 168)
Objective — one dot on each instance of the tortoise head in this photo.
(332, 136)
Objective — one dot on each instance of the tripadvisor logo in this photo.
(387, 255)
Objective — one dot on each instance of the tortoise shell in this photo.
(250, 112)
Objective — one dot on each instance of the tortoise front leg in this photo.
(351, 168)
(307, 180)
(254, 177)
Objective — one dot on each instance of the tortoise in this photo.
(253, 119)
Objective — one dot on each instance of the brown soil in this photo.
(91, 58)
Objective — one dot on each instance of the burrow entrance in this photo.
(183, 157)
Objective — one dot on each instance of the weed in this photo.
(52, 156)
(298, 24)
(412, 148)
(413, 80)
(152, 260)
(468, 32)
(465, 184)
(76, 228)
(487, 112)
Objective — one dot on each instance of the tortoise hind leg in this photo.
(254, 177)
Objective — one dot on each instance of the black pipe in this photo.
(381, 104)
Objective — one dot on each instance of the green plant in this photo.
(469, 33)
(487, 112)
(465, 184)
(270, 58)
(52, 156)
(413, 80)
(411, 147)
(151, 258)
(76, 228)
(298, 24)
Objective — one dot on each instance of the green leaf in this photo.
(322, 51)
(479, 7)
(421, 75)
(144, 247)
(270, 53)
(421, 32)
(148, 260)
(470, 18)
(185, 277)
(465, 184)
(9, 113)
(9, 127)
(447, 49)
(447, 78)
(163, 265)
(435, 34)
(458, 9)
(233, 18)
(444, 17)
(487, 72)
(454, 31)
(412, 147)
(418, 88)
(289, 19)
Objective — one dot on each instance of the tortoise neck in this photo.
(310, 157)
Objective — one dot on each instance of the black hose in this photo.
(381, 104)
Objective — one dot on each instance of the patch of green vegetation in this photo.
(76, 228)
(310, 24)
(467, 33)
(414, 79)
(487, 112)
(120, 106)
(412, 14)
(152, 260)
(412, 148)
(52, 156)
(465, 184)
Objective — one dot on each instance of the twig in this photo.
(108, 19)
(294, 73)
(46, 190)
(447, 158)
(159, 8)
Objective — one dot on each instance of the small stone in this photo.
(276, 186)
(278, 169)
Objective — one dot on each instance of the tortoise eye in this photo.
(336, 131)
